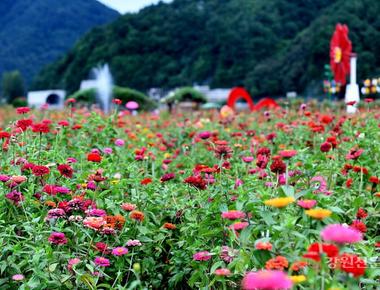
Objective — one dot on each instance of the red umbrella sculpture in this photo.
(340, 52)
(240, 93)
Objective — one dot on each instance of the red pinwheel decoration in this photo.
(340, 52)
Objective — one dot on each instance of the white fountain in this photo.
(103, 85)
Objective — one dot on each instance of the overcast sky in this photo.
(129, 5)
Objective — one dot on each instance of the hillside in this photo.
(269, 46)
(36, 32)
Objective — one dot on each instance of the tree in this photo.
(13, 85)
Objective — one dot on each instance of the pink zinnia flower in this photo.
(102, 262)
(233, 214)
(107, 150)
(133, 243)
(354, 154)
(73, 262)
(266, 280)
(57, 238)
(287, 153)
(119, 142)
(202, 256)
(341, 234)
(18, 277)
(119, 251)
(307, 203)
(247, 159)
(128, 206)
(239, 226)
(222, 272)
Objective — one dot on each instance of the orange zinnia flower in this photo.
(169, 226)
(136, 215)
(318, 213)
(279, 202)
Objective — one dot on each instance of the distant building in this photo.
(54, 98)
(214, 95)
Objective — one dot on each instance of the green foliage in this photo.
(13, 85)
(124, 94)
(185, 94)
(268, 46)
(34, 33)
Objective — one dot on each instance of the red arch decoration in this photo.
(240, 93)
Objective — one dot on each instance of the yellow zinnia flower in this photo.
(298, 278)
(318, 213)
(279, 202)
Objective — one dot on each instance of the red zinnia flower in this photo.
(196, 181)
(278, 166)
(65, 170)
(39, 170)
(325, 147)
(361, 214)
(94, 157)
(352, 264)
(315, 250)
(359, 225)
(22, 110)
(146, 181)
(40, 128)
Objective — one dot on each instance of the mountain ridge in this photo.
(36, 32)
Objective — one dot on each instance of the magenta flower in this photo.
(15, 197)
(341, 234)
(202, 256)
(247, 159)
(119, 251)
(57, 238)
(204, 135)
(266, 280)
(102, 262)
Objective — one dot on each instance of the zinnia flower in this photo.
(263, 246)
(119, 251)
(315, 250)
(57, 238)
(94, 223)
(341, 234)
(94, 157)
(202, 256)
(18, 277)
(128, 206)
(222, 272)
(277, 263)
(279, 202)
(352, 264)
(137, 215)
(318, 213)
(102, 262)
(233, 214)
(133, 243)
(307, 203)
(266, 280)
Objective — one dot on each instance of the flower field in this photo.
(284, 199)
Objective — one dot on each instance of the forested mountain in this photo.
(34, 33)
(269, 46)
